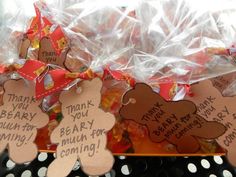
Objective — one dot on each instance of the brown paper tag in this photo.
(47, 53)
(20, 117)
(82, 133)
(214, 107)
(24, 46)
(175, 122)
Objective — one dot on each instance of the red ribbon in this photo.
(49, 81)
(53, 81)
(31, 69)
(41, 27)
(120, 76)
(3, 69)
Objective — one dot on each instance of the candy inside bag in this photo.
(166, 44)
(178, 34)
(15, 18)
(161, 39)
(164, 39)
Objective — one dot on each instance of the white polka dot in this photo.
(27, 163)
(42, 172)
(108, 175)
(10, 164)
(54, 155)
(125, 170)
(122, 157)
(205, 163)
(42, 156)
(192, 168)
(227, 173)
(76, 166)
(26, 173)
(212, 175)
(112, 173)
(10, 175)
(218, 160)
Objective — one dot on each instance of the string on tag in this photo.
(131, 100)
(79, 90)
(72, 84)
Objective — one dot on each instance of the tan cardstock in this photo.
(82, 132)
(47, 53)
(20, 117)
(214, 107)
(175, 122)
(24, 46)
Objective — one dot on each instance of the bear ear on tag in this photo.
(24, 46)
(23, 115)
(47, 53)
(93, 87)
(139, 89)
(214, 107)
(162, 117)
(87, 142)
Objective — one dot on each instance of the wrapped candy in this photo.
(165, 44)
(164, 39)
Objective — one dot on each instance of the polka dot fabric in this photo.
(129, 167)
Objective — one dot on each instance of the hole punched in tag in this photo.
(131, 100)
(152, 111)
(90, 124)
(79, 89)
